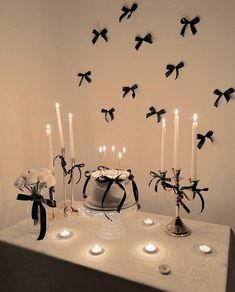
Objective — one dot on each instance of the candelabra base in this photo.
(177, 228)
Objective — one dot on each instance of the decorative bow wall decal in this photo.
(171, 68)
(227, 95)
(140, 40)
(109, 116)
(154, 112)
(128, 11)
(102, 33)
(202, 138)
(86, 76)
(192, 24)
(126, 90)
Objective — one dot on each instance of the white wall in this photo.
(45, 45)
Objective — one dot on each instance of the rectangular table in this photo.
(56, 264)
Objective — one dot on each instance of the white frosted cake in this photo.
(98, 184)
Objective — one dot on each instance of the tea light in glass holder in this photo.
(64, 233)
(204, 248)
(96, 250)
(150, 248)
(148, 222)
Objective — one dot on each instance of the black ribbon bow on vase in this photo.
(37, 207)
(159, 178)
(192, 24)
(63, 163)
(202, 138)
(109, 116)
(227, 95)
(171, 68)
(126, 90)
(102, 33)
(128, 11)
(71, 172)
(86, 76)
(154, 112)
(140, 40)
(196, 191)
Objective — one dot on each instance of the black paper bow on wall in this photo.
(192, 24)
(63, 163)
(37, 207)
(128, 11)
(109, 116)
(86, 76)
(71, 172)
(227, 95)
(126, 90)
(202, 138)
(154, 112)
(140, 40)
(171, 68)
(102, 33)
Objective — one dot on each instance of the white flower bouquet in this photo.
(36, 181)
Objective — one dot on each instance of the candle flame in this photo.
(100, 149)
(104, 148)
(57, 105)
(124, 150)
(113, 148)
(163, 121)
(195, 117)
(48, 127)
(176, 112)
(70, 116)
(120, 155)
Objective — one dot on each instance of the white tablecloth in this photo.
(55, 264)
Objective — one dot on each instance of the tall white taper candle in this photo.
(176, 140)
(59, 123)
(163, 146)
(194, 148)
(48, 132)
(71, 137)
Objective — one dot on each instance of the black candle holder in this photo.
(176, 227)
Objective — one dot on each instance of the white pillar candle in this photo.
(163, 146)
(100, 152)
(71, 137)
(59, 123)
(123, 156)
(104, 154)
(176, 140)
(113, 150)
(119, 159)
(48, 132)
(194, 148)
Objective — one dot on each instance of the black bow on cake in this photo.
(159, 178)
(109, 116)
(86, 76)
(37, 207)
(126, 90)
(102, 33)
(202, 138)
(128, 11)
(63, 163)
(140, 40)
(227, 95)
(192, 24)
(171, 68)
(154, 112)
(71, 172)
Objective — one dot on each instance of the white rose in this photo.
(30, 176)
(44, 173)
(19, 182)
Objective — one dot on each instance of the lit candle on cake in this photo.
(104, 154)
(119, 159)
(100, 152)
(194, 149)
(113, 150)
(60, 129)
(163, 146)
(176, 140)
(123, 156)
(48, 132)
(71, 137)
